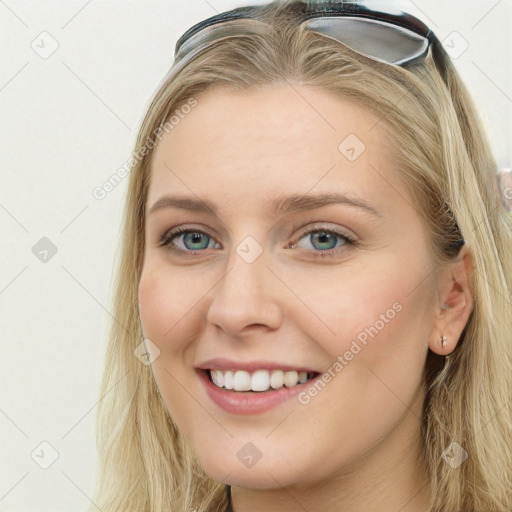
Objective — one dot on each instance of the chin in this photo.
(272, 473)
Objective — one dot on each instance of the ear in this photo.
(454, 304)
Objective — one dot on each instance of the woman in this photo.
(319, 266)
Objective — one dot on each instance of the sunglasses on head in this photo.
(389, 36)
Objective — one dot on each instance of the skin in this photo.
(355, 446)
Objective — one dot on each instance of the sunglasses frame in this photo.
(196, 39)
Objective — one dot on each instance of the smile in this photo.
(259, 380)
(244, 388)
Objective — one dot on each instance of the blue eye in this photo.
(324, 242)
(192, 240)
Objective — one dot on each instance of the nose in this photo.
(246, 298)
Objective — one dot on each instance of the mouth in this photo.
(255, 388)
(259, 381)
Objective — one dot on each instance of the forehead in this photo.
(243, 147)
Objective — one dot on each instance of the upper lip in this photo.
(223, 363)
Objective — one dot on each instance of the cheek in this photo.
(377, 354)
(169, 306)
(170, 317)
(384, 298)
(378, 314)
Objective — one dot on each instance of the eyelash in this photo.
(167, 238)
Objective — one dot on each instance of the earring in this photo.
(443, 341)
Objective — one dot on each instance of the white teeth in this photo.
(228, 379)
(260, 380)
(276, 379)
(291, 379)
(242, 381)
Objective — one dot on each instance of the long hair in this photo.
(444, 159)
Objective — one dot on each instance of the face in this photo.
(338, 291)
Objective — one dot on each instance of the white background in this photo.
(68, 123)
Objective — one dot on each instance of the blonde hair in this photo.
(445, 161)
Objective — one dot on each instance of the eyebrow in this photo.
(280, 205)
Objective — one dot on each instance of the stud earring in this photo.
(443, 341)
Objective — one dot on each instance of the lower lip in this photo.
(253, 402)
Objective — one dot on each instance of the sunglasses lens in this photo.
(372, 38)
